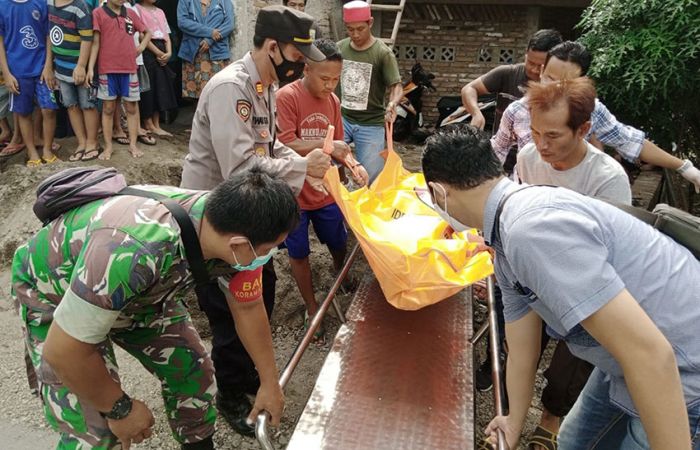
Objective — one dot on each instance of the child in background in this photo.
(71, 38)
(5, 130)
(28, 71)
(114, 26)
(145, 136)
(161, 96)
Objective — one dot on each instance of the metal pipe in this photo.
(261, 431)
(261, 428)
(495, 360)
(479, 333)
(338, 310)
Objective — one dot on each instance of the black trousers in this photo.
(566, 376)
(235, 371)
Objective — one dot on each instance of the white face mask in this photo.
(454, 223)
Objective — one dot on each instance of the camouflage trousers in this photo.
(167, 345)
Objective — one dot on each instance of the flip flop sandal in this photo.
(544, 438)
(53, 159)
(34, 162)
(11, 149)
(484, 445)
(97, 152)
(122, 140)
(76, 156)
(147, 139)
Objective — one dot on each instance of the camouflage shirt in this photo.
(111, 263)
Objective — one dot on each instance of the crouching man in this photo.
(107, 273)
(623, 296)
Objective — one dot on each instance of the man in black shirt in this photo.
(509, 78)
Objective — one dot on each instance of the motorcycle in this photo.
(409, 116)
(452, 112)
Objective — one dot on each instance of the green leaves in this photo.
(646, 63)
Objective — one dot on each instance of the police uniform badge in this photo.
(243, 109)
(259, 87)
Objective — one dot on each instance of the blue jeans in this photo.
(594, 423)
(369, 142)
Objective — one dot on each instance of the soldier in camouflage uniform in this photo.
(107, 273)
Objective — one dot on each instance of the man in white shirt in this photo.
(560, 119)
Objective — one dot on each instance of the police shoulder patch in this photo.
(243, 109)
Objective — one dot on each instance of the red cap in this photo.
(356, 11)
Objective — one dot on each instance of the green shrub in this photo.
(646, 63)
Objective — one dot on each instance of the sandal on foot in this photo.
(162, 133)
(77, 155)
(484, 445)
(122, 140)
(93, 152)
(51, 160)
(35, 162)
(320, 334)
(147, 139)
(544, 438)
(11, 149)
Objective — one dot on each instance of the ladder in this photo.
(398, 9)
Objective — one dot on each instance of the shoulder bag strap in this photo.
(193, 251)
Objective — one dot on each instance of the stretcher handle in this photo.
(261, 425)
(496, 369)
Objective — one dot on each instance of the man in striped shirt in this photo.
(70, 24)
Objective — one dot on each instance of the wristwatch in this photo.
(120, 409)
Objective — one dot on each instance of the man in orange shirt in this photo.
(305, 109)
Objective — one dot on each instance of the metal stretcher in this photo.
(393, 379)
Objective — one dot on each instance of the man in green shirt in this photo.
(369, 69)
(108, 273)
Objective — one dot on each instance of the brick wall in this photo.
(458, 43)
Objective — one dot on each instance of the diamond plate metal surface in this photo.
(394, 379)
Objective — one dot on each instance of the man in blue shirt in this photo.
(28, 70)
(622, 295)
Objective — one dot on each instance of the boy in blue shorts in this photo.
(114, 26)
(305, 109)
(28, 70)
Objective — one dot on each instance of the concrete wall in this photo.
(246, 11)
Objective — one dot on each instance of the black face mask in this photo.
(288, 71)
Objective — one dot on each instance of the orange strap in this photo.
(350, 161)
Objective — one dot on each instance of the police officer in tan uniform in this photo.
(234, 129)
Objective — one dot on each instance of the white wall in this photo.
(246, 11)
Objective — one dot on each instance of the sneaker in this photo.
(234, 409)
(483, 380)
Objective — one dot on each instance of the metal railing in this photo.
(496, 371)
(491, 325)
(262, 423)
